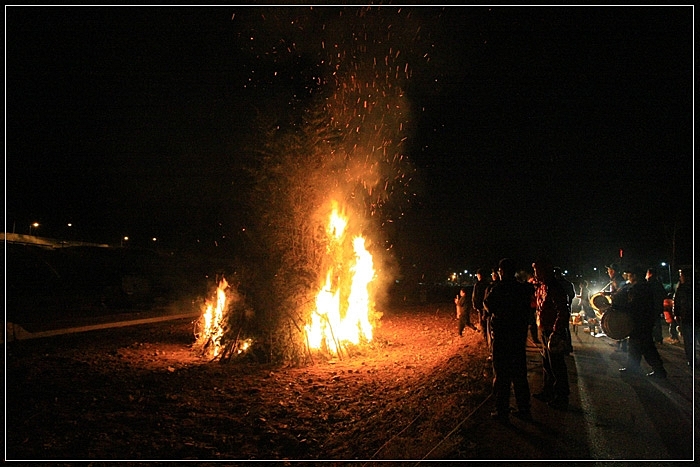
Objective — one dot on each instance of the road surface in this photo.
(611, 417)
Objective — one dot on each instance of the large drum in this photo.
(600, 303)
(616, 324)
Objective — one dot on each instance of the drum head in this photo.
(616, 324)
(600, 302)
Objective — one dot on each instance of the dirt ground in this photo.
(142, 394)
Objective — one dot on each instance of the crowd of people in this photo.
(509, 307)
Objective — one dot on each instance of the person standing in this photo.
(683, 312)
(659, 293)
(552, 321)
(570, 290)
(618, 295)
(478, 294)
(532, 324)
(567, 285)
(462, 305)
(585, 297)
(616, 279)
(640, 304)
(508, 303)
(668, 317)
(495, 279)
(673, 337)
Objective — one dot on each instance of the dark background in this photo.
(564, 132)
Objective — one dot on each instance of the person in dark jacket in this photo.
(553, 323)
(495, 279)
(570, 290)
(462, 306)
(532, 324)
(640, 304)
(618, 284)
(683, 311)
(616, 279)
(659, 293)
(478, 294)
(508, 303)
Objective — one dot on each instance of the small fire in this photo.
(212, 321)
(219, 330)
(337, 320)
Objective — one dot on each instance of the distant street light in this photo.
(670, 279)
(34, 225)
(123, 240)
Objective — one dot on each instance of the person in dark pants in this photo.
(659, 293)
(618, 297)
(508, 303)
(462, 305)
(495, 279)
(570, 290)
(553, 323)
(683, 311)
(532, 322)
(640, 304)
(478, 294)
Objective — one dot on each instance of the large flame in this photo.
(212, 321)
(338, 320)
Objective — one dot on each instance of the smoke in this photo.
(349, 66)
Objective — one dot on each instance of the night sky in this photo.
(565, 132)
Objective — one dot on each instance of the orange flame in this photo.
(212, 328)
(336, 321)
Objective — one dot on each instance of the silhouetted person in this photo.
(532, 323)
(567, 285)
(495, 278)
(673, 337)
(616, 279)
(640, 304)
(478, 294)
(553, 322)
(508, 303)
(617, 285)
(462, 305)
(570, 290)
(659, 293)
(683, 311)
(585, 296)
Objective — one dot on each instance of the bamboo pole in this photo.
(337, 344)
(308, 347)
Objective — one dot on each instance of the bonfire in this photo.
(343, 312)
(221, 314)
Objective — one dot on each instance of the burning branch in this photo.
(218, 330)
(339, 319)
